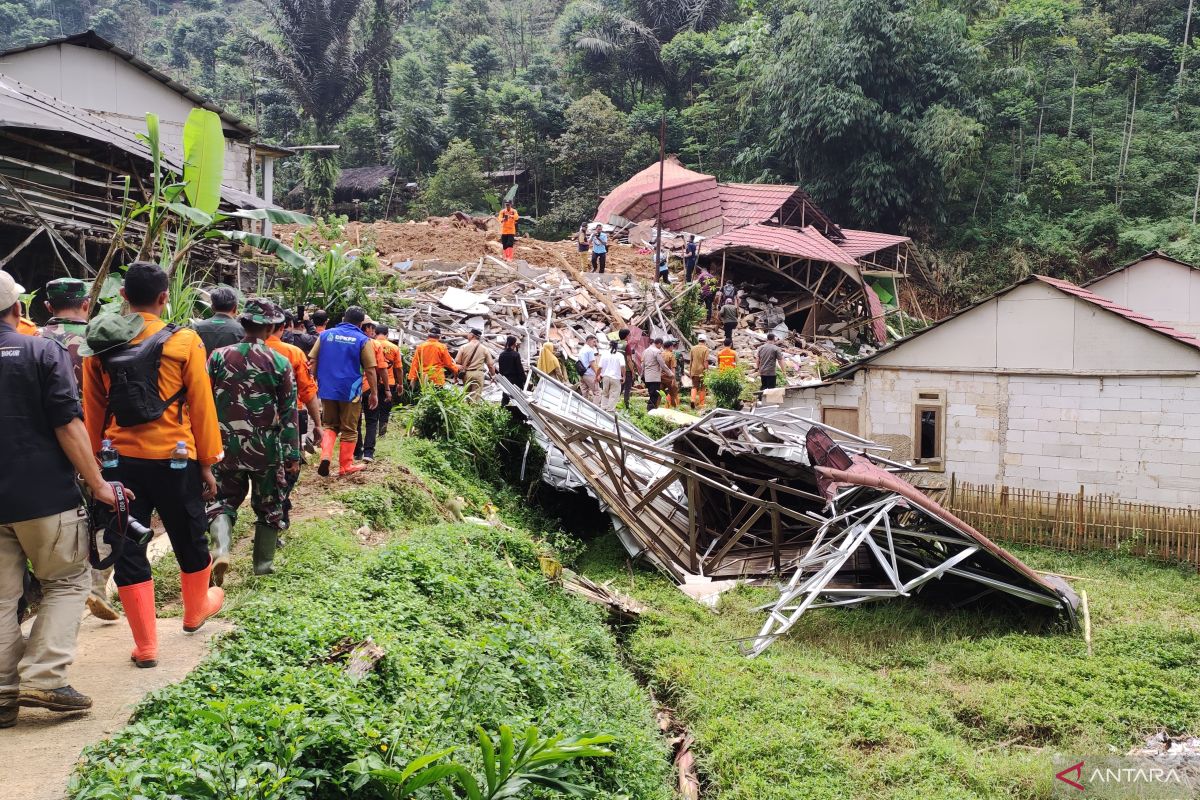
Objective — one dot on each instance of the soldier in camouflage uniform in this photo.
(255, 391)
(68, 304)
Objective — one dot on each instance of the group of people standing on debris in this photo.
(126, 416)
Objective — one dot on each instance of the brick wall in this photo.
(1132, 436)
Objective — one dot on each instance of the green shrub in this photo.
(726, 385)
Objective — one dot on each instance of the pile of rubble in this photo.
(772, 495)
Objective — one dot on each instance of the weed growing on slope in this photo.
(473, 636)
(902, 700)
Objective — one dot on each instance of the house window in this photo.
(844, 419)
(929, 429)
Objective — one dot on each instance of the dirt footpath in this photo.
(41, 751)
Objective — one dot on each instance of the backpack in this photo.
(132, 371)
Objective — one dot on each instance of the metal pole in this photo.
(662, 157)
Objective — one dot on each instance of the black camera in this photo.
(114, 527)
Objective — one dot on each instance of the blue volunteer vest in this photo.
(339, 363)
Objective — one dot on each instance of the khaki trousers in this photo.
(589, 387)
(612, 393)
(473, 383)
(57, 548)
(342, 416)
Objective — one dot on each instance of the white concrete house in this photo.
(1043, 385)
(1158, 286)
(89, 72)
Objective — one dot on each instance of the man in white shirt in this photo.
(612, 375)
(586, 363)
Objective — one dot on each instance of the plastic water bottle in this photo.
(179, 459)
(108, 455)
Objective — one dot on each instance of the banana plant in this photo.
(510, 765)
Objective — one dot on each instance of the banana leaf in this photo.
(265, 244)
(203, 159)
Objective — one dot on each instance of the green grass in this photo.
(472, 632)
(898, 700)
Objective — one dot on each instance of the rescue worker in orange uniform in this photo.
(308, 406)
(364, 446)
(430, 360)
(726, 356)
(393, 365)
(508, 217)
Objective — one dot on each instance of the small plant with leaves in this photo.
(510, 765)
(688, 311)
(727, 385)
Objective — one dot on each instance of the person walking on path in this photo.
(549, 363)
(295, 333)
(729, 317)
(664, 269)
(430, 361)
(631, 365)
(510, 366)
(653, 367)
(708, 292)
(769, 358)
(364, 442)
(670, 376)
(599, 240)
(587, 365)
(727, 356)
(344, 362)
(581, 241)
(691, 253)
(393, 360)
(476, 363)
(146, 390)
(508, 217)
(308, 407)
(255, 392)
(698, 361)
(222, 328)
(41, 521)
(68, 303)
(612, 377)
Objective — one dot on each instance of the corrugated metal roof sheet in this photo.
(94, 41)
(806, 243)
(24, 107)
(1127, 313)
(863, 243)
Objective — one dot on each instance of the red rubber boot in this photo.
(328, 438)
(200, 601)
(346, 459)
(138, 601)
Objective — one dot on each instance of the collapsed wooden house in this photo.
(774, 238)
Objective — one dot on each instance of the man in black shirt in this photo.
(41, 430)
(222, 328)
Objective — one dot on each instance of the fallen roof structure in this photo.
(771, 236)
(772, 495)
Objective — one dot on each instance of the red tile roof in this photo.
(748, 203)
(691, 201)
(1129, 314)
(806, 243)
(863, 243)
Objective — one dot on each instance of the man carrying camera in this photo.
(40, 515)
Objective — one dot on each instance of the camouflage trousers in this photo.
(267, 488)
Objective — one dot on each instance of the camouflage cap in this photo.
(110, 330)
(260, 311)
(64, 289)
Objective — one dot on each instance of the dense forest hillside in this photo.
(1005, 136)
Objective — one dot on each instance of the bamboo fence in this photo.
(1077, 521)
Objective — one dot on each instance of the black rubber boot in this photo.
(220, 538)
(266, 539)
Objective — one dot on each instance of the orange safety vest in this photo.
(726, 357)
(508, 221)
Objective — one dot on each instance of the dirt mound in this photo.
(445, 239)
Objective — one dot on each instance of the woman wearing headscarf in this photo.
(548, 363)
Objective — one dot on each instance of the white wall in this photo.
(1159, 288)
(104, 83)
(1137, 437)
(1036, 327)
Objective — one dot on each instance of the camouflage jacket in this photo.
(69, 334)
(255, 392)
